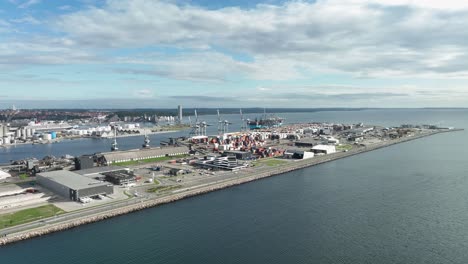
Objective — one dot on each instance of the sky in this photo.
(233, 53)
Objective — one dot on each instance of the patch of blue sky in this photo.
(244, 57)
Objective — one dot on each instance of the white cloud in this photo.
(398, 39)
(27, 20)
(29, 3)
(433, 4)
(365, 38)
(43, 51)
(4, 25)
(262, 89)
(65, 7)
(144, 93)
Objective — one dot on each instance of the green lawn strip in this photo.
(23, 176)
(136, 162)
(270, 162)
(128, 194)
(173, 128)
(163, 188)
(344, 147)
(29, 215)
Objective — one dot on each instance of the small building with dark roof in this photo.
(297, 154)
(240, 155)
(84, 162)
(306, 142)
(120, 177)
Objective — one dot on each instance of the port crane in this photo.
(199, 127)
(114, 146)
(244, 122)
(223, 125)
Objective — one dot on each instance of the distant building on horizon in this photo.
(180, 115)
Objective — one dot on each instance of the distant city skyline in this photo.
(201, 53)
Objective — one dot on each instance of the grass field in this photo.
(29, 215)
(271, 162)
(174, 127)
(136, 162)
(163, 188)
(344, 147)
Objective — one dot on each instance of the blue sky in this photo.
(202, 53)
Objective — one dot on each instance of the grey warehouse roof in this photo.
(102, 169)
(70, 179)
(143, 153)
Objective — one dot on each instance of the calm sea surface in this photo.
(407, 203)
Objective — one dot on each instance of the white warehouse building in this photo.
(324, 149)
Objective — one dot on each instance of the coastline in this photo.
(60, 140)
(136, 135)
(193, 191)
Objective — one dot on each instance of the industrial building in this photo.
(241, 155)
(99, 173)
(180, 114)
(121, 177)
(323, 149)
(332, 141)
(73, 185)
(140, 154)
(84, 162)
(4, 175)
(223, 163)
(99, 170)
(298, 154)
(306, 142)
(176, 172)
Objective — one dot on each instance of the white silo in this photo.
(46, 136)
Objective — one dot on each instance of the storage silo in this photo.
(46, 136)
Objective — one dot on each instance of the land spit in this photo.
(193, 191)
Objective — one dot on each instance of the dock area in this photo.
(182, 190)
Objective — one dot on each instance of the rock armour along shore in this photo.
(12, 238)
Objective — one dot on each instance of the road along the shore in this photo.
(105, 212)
